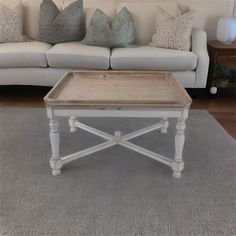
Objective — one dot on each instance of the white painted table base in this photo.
(177, 164)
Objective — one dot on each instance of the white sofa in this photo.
(38, 63)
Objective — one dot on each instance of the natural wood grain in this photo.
(218, 44)
(106, 88)
(119, 94)
(22, 96)
(227, 59)
(223, 54)
(220, 104)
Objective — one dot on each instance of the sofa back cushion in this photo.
(11, 22)
(144, 16)
(31, 12)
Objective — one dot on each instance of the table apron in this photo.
(144, 113)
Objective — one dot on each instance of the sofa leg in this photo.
(213, 90)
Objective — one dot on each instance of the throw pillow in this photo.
(57, 26)
(112, 33)
(11, 23)
(173, 32)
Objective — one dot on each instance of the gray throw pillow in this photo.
(112, 33)
(57, 26)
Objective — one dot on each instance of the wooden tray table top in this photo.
(118, 89)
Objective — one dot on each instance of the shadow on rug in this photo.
(115, 191)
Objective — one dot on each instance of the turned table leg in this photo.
(178, 164)
(55, 161)
(165, 125)
(72, 121)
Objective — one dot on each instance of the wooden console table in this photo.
(222, 71)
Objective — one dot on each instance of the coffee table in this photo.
(118, 94)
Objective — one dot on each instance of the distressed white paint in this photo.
(55, 161)
(148, 113)
(72, 120)
(176, 164)
(165, 125)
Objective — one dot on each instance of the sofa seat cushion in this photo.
(23, 54)
(77, 55)
(152, 58)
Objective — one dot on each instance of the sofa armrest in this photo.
(199, 47)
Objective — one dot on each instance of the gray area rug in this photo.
(116, 191)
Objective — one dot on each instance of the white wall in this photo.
(207, 12)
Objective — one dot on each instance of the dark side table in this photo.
(222, 71)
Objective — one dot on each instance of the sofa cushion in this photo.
(23, 54)
(151, 58)
(77, 55)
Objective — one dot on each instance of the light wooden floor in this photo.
(223, 108)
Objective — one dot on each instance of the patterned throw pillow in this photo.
(173, 32)
(57, 26)
(111, 33)
(11, 23)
